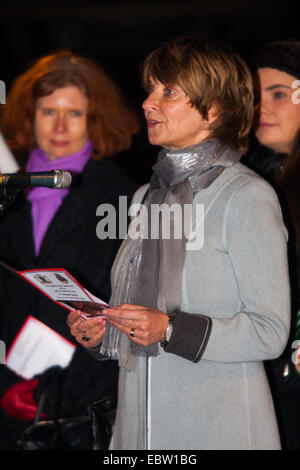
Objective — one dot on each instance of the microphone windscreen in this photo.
(63, 179)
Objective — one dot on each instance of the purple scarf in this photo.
(46, 201)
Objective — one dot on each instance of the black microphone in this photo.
(56, 179)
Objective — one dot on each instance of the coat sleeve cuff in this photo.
(189, 336)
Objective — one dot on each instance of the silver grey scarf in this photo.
(148, 270)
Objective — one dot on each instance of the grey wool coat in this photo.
(238, 278)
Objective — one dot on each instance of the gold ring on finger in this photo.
(131, 332)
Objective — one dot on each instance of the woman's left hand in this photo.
(88, 333)
(143, 325)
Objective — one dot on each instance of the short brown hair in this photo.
(210, 73)
(111, 122)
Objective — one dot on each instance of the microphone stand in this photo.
(8, 194)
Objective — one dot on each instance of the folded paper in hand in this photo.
(60, 286)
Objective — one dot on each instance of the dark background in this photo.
(120, 33)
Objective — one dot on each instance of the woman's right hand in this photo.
(88, 332)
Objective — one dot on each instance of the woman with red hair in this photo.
(64, 113)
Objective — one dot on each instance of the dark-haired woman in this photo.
(275, 155)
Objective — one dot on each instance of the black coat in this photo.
(70, 242)
(282, 375)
